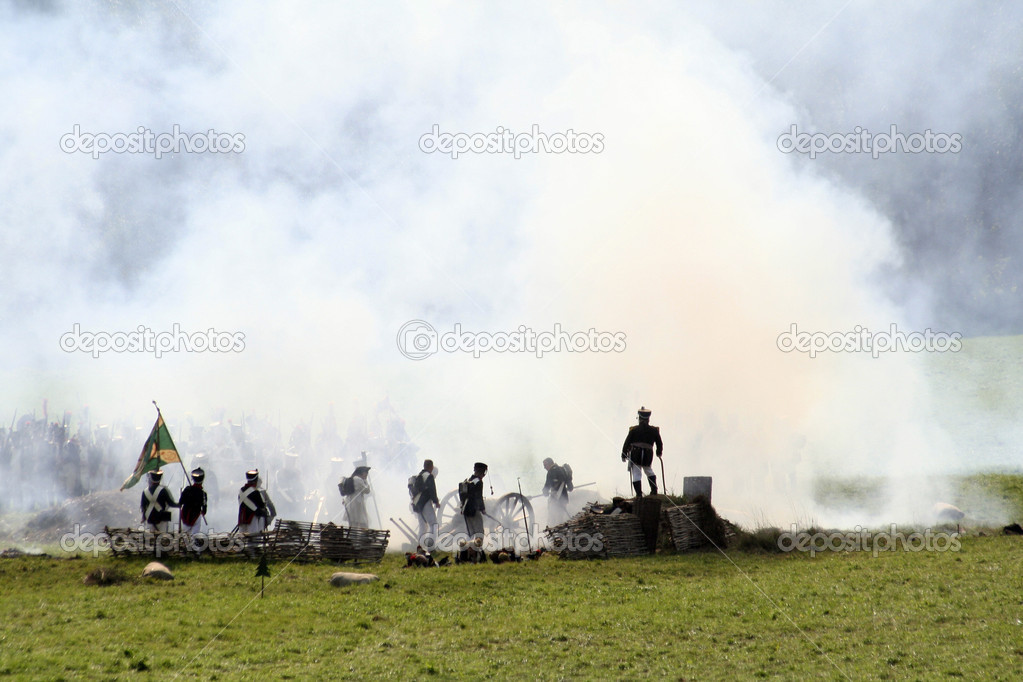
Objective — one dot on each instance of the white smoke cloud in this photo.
(689, 232)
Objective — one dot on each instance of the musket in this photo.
(574, 488)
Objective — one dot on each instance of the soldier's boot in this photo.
(638, 487)
(653, 484)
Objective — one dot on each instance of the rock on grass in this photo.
(154, 569)
(341, 578)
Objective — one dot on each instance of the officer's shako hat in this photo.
(156, 475)
(644, 414)
(198, 475)
(252, 475)
(479, 466)
(360, 470)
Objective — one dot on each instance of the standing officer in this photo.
(639, 451)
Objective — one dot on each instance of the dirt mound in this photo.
(91, 513)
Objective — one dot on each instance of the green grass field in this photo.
(702, 616)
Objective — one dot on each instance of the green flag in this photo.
(158, 450)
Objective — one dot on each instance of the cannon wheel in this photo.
(449, 516)
(513, 512)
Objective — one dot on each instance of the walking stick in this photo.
(664, 481)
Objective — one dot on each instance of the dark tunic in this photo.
(427, 492)
(557, 482)
(640, 443)
(245, 514)
(193, 503)
(160, 511)
(473, 503)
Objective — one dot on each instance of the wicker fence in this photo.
(296, 540)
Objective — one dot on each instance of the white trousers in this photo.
(638, 471)
(427, 526)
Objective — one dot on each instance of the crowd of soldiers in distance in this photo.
(45, 460)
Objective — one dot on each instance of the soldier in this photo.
(255, 510)
(354, 489)
(156, 503)
(639, 451)
(425, 504)
(470, 493)
(193, 503)
(556, 489)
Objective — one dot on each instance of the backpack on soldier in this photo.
(568, 477)
(465, 502)
(347, 486)
(415, 486)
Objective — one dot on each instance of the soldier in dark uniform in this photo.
(639, 449)
(425, 504)
(470, 492)
(193, 503)
(556, 490)
(255, 510)
(157, 503)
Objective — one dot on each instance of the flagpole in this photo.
(188, 479)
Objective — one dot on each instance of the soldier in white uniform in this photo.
(355, 500)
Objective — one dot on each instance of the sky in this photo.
(655, 206)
